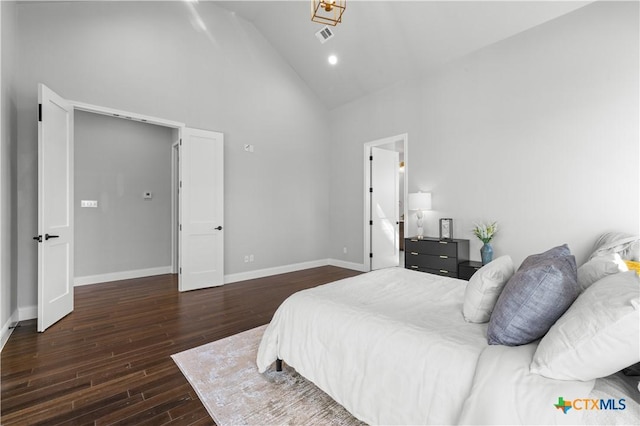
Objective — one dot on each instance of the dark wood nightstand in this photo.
(467, 269)
(435, 256)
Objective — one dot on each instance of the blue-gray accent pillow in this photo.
(559, 251)
(540, 291)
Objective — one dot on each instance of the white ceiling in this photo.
(380, 43)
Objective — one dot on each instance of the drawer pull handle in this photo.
(414, 241)
(443, 271)
(414, 253)
(414, 266)
(443, 242)
(444, 257)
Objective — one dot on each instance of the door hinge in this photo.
(39, 112)
(180, 184)
(370, 189)
(181, 227)
(371, 158)
(370, 254)
(180, 269)
(180, 141)
(371, 223)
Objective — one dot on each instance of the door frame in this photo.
(175, 204)
(404, 138)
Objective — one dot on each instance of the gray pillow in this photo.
(533, 299)
(559, 251)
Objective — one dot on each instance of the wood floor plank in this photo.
(149, 408)
(186, 414)
(109, 362)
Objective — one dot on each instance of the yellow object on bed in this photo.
(633, 266)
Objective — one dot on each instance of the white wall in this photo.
(116, 161)
(8, 139)
(538, 132)
(154, 59)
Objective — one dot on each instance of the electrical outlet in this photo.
(250, 258)
(89, 203)
(246, 259)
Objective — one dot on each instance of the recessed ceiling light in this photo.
(333, 59)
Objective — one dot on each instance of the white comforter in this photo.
(391, 346)
(505, 392)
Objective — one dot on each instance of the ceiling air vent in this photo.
(324, 34)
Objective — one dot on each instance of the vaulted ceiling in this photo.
(380, 43)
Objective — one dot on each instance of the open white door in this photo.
(201, 249)
(385, 247)
(55, 208)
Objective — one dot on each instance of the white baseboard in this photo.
(6, 330)
(124, 275)
(348, 265)
(27, 313)
(259, 273)
(31, 312)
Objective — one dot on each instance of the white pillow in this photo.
(598, 268)
(626, 245)
(597, 336)
(484, 288)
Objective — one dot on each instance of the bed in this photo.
(394, 347)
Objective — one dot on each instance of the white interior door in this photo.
(201, 249)
(55, 208)
(384, 208)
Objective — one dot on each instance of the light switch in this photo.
(89, 203)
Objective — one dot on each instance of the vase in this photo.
(486, 253)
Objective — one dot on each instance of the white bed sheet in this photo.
(391, 346)
(505, 392)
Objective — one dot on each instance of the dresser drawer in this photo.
(443, 272)
(428, 261)
(448, 248)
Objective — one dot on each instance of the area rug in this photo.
(225, 377)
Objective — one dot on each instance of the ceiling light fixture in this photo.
(328, 11)
(333, 59)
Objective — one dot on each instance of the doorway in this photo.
(123, 205)
(385, 192)
(200, 203)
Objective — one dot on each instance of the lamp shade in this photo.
(420, 201)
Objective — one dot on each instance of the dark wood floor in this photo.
(109, 361)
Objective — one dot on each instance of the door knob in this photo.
(47, 236)
(219, 228)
